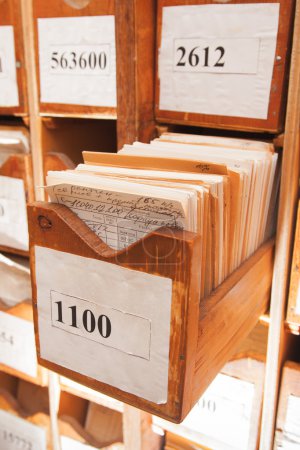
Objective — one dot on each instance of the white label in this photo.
(291, 430)
(18, 434)
(216, 55)
(297, 306)
(5, 207)
(70, 444)
(107, 326)
(80, 59)
(13, 214)
(17, 344)
(77, 58)
(9, 95)
(227, 52)
(224, 412)
(137, 306)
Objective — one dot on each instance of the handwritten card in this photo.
(118, 218)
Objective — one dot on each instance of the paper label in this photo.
(18, 434)
(224, 412)
(9, 95)
(218, 59)
(118, 218)
(13, 214)
(17, 344)
(77, 58)
(117, 307)
(291, 430)
(297, 306)
(216, 55)
(101, 324)
(70, 444)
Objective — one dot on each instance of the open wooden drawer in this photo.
(130, 323)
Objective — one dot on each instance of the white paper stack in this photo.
(221, 188)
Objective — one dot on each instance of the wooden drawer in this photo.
(184, 341)
(223, 65)
(13, 89)
(75, 57)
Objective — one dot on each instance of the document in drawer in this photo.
(221, 188)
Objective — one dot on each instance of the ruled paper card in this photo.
(119, 219)
(218, 59)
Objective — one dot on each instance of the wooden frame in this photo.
(196, 352)
(10, 15)
(276, 110)
(62, 8)
(293, 314)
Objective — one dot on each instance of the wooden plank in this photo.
(275, 119)
(285, 227)
(34, 119)
(135, 41)
(137, 430)
(293, 310)
(233, 309)
(105, 425)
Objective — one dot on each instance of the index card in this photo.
(118, 218)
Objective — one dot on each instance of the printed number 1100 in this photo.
(88, 320)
